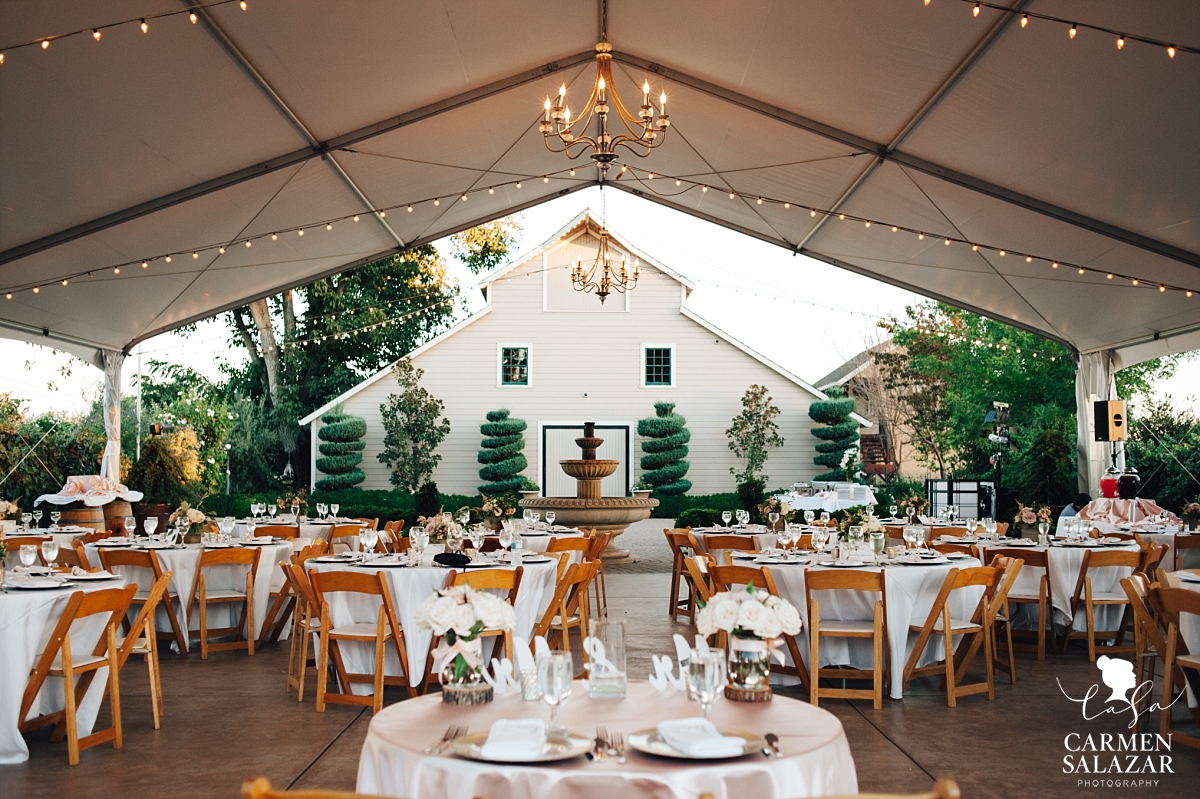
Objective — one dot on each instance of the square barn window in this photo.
(514, 366)
(658, 366)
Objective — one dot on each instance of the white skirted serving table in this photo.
(815, 756)
(27, 618)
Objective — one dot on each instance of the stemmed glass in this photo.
(333, 508)
(322, 509)
(41, 518)
(773, 518)
(909, 533)
(820, 537)
(130, 526)
(892, 511)
(910, 512)
(272, 509)
(743, 517)
(418, 540)
(29, 554)
(50, 552)
(726, 516)
(1043, 529)
(536, 516)
(878, 542)
(464, 517)
(55, 515)
(26, 518)
(250, 525)
(550, 517)
(296, 510)
(555, 670)
(367, 539)
(825, 518)
(506, 534)
(809, 516)
(149, 525)
(706, 677)
(527, 515)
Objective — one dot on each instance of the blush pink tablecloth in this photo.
(1120, 510)
(816, 757)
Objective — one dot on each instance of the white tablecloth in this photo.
(26, 620)
(1159, 536)
(762, 537)
(1189, 628)
(185, 561)
(820, 503)
(1065, 563)
(816, 757)
(536, 541)
(410, 586)
(911, 591)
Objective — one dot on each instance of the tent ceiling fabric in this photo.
(297, 111)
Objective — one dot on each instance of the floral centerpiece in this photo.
(753, 619)
(1031, 514)
(194, 517)
(918, 503)
(439, 526)
(7, 510)
(496, 509)
(1190, 514)
(460, 614)
(285, 502)
(774, 505)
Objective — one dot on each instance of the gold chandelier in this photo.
(613, 276)
(567, 133)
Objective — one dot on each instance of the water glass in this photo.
(250, 525)
(367, 539)
(55, 515)
(606, 659)
(1043, 538)
(333, 508)
(556, 670)
(41, 518)
(910, 512)
(506, 535)
(809, 516)
(527, 515)
(706, 677)
(535, 516)
(549, 517)
(726, 516)
(892, 511)
(878, 542)
(418, 540)
(820, 536)
(909, 534)
(149, 525)
(272, 509)
(856, 534)
(322, 510)
(26, 518)
(130, 526)
(296, 510)
(773, 518)
(29, 554)
(825, 517)
(50, 552)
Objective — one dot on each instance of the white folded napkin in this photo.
(515, 740)
(115, 539)
(698, 737)
(259, 539)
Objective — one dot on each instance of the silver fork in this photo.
(617, 741)
(452, 732)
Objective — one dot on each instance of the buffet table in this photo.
(815, 756)
(27, 619)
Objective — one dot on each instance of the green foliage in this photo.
(256, 454)
(698, 517)
(383, 505)
(896, 489)
(502, 454)
(665, 447)
(412, 431)
(1045, 472)
(61, 446)
(839, 435)
(750, 495)
(484, 247)
(1164, 447)
(672, 507)
(753, 433)
(427, 502)
(159, 474)
(342, 447)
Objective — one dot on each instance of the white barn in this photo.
(557, 357)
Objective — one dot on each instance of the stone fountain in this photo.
(588, 509)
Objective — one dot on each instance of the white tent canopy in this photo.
(288, 114)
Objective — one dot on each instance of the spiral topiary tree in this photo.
(665, 447)
(839, 434)
(342, 448)
(502, 455)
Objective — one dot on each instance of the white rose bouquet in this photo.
(748, 614)
(872, 525)
(460, 614)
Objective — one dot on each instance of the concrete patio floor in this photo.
(228, 718)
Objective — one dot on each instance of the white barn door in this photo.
(556, 442)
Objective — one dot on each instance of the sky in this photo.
(805, 315)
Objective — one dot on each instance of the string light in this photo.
(356, 217)
(37, 289)
(382, 214)
(975, 11)
(168, 259)
(192, 17)
(1072, 32)
(220, 251)
(45, 44)
(195, 255)
(274, 237)
(145, 27)
(1171, 50)
(145, 264)
(1120, 42)
(95, 34)
(410, 209)
(329, 226)
(300, 232)
(242, 5)
(248, 244)
(437, 202)
(64, 282)
(1024, 20)
(493, 191)
(116, 270)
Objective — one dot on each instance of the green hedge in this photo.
(699, 517)
(388, 506)
(672, 507)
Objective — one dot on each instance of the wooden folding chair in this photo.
(1002, 529)
(1032, 559)
(726, 578)
(58, 660)
(1009, 568)
(288, 531)
(942, 789)
(306, 622)
(1182, 544)
(698, 567)
(683, 546)
(484, 579)
(568, 609)
(385, 628)
(81, 556)
(1089, 599)
(715, 545)
(965, 549)
(371, 524)
(141, 640)
(595, 553)
(390, 538)
(343, 535)
(1179, 661)
(99, 535)
(203, 596)
(1151, 557)
(1095, 533)
(261, 789)
(957, 659)
(1149, 643)
(876, 630)
(71, 556)
(111, 558)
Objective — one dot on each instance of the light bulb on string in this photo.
(1109, 276)
(45, 44)
(975, 11)
(1072, 32)
(37, 290)
(300, 232)
(436, 201)
(145, 264)
(168, 259)
(220, 251)
(248, 244)
(192, 17)
(1024, 20)
(274, 237)
(1081, 270)
(410, 209)
(144, 26)
(329, 226)
(356, 217)
(242, 5)
(1120, 41)
(64, 281)
(463, 198)
(493, 191)
(1171, 50)
(195, 255)
(96, 34)
(116, 270)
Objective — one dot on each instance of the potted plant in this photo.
(459, 615)
(753, 620)
(642, 489)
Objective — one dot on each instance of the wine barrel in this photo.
(81, 515)
(114, 515)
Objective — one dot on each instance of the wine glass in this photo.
(825, 518)
(910, 512)
(809, 516)
(26, 518)
(250, 525)
(550, 517)
(706, 677)
(28, 554)
(130, 523)
(527, 515)
(909, 534)
(1043, 529)
(149, 525)
(555, 670)
(892, 511)
(506, 535)
(41, 518)
(50, 552)
(856, 534)
(464, 517)
(333, 508)
(367, 539)
(820, 536)
(536, 516)
(418, 540)
(773, 518)
(296, 510)
(272, 509)
(726, 516)
(55, 515)
(322, 509)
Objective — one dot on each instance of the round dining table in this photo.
(410, 585)
(814, 755)
(27, 618)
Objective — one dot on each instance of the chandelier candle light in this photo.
(612, 276)
(644, 131)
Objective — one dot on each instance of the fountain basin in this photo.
(589, 470)
(604, 514)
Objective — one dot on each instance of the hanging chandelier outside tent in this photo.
(605, 275)
(565, 132)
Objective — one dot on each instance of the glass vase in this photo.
(749, 670)
(462, 683)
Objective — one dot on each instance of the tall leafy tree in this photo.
(838, 434)
(665, 445)
(485, 247)
(754, 433)
(412, 431)
(502, 454)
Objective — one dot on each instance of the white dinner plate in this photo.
(838, 564)
(471, 747)
(651, 743)
(925, 561)
(1189, 577)
(37, 584)
(92, 577)
(332, 559)
(104, 543)
(957, 555)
